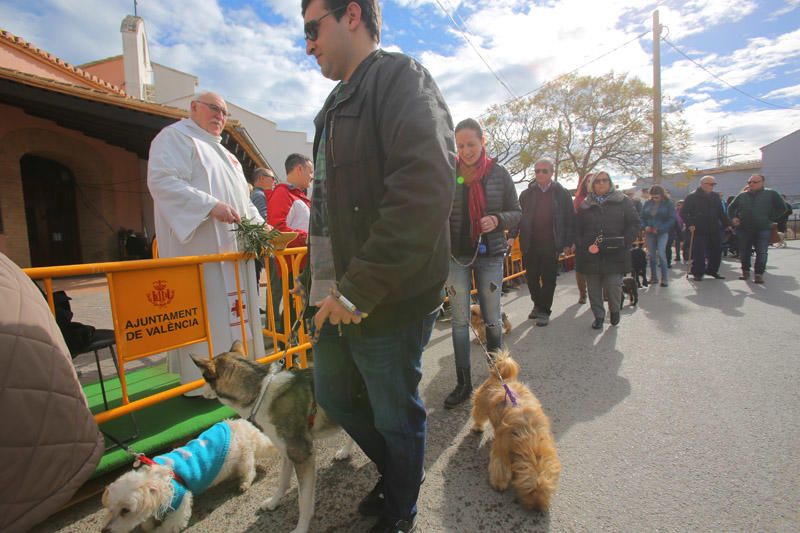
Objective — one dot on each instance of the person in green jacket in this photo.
(754, 212)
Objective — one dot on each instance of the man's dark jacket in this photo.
(390, 178)
(563, 216)
(757, 210)
(501, 201)
(704, 211)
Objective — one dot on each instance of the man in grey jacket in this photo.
(379, 244)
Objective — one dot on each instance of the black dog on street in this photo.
(629, 288)
(639, 265)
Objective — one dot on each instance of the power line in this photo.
(735, 88)
(464, 34)
(576, 69)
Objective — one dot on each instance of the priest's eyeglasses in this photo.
(215, 108)
(311, 28)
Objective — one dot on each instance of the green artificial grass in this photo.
(161, 425)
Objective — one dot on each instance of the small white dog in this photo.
(158, 497)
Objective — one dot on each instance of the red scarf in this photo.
(473, 175)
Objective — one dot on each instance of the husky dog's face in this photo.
(231, 377)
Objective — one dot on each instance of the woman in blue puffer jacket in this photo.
(658, 217)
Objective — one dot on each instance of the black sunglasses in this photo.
(311, 28)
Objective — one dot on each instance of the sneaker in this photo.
(745, 275)
(582, 300)
(615, 318)
(386, 525)
(543, 320)
(372, 504)
(697, 278)
(716, 275)
(664, 284)
(758, 278)
(535, 313)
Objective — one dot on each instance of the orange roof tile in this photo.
(72, 71)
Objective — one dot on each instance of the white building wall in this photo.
(172, 85)
(781, 165)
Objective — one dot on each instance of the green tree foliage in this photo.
(584, 123)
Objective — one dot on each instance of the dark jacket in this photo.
(664, 218)
(390, 177)
(501, 201)
(758, 210)
(616, 217)
(563, 216)
(704, 211)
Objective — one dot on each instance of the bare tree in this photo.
(587, 122)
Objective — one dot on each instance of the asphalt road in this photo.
(683, 418)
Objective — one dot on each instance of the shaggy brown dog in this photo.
(523, 452)
(476, 319)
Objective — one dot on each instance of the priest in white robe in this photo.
(199, 191)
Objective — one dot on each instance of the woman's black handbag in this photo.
(611, 244)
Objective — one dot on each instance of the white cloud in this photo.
(262, 65)
(696, 16)
(785, 92)
(790, 6)
(748, 130)
(759, 59)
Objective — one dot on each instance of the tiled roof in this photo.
(72, 71)
(232, 127)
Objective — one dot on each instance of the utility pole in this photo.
(557, 162)
(656, 99)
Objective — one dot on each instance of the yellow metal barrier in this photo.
(129, 268)
(289, 260)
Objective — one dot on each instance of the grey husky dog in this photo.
(282, 405)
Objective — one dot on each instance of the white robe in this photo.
(188, 172)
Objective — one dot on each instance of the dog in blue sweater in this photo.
(158, 495)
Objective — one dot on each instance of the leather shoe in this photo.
(697, 278)
(598, 323)
(614, 318)
(386, 525)
(372, 504)
(716, 275)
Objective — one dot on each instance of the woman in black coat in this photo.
(484, 205)
(606, 227)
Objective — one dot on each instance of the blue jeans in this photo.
(369, 385)
(749, 238)
(657, 249)
(488, 280)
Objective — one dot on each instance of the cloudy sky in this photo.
(252, 52)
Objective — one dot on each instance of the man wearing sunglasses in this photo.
(753, 213)
(546, 229)
(379, 244)
(705, 217)
(199, 191)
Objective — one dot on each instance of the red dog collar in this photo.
(142, 459)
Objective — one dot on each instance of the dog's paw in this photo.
(499, 484)
(271, 504)
(477, 429)
(245, 485)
